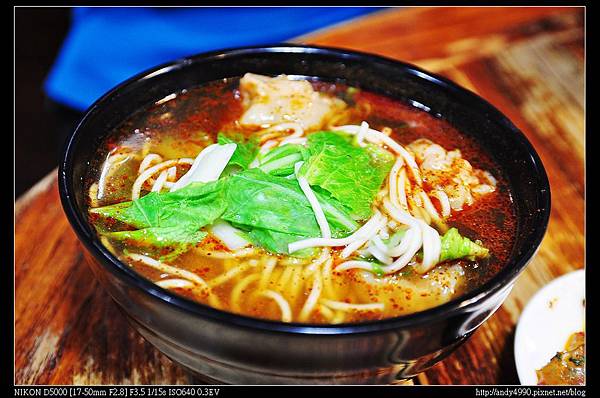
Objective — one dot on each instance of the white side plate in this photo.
(551, 316)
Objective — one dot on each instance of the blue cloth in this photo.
(105, 46)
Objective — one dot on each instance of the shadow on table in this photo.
(508, 370)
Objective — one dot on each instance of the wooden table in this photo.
(528, 62)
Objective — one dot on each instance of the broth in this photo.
(182, 125)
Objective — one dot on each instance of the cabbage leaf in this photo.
(351, 174)
(455, 246)
(245, 152)
(161, 236)
(277, 242)
(273, 210)
(280, 161)
(195, 205)
(259, 200)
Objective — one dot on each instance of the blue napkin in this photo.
(105, 45)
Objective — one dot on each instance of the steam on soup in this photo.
(300, 201)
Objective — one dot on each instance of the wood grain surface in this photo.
(528, 62)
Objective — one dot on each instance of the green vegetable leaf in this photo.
(277, 242)
(246, 150)
(260, 200)
(455, 246)
(280, 161)
(125, 212)
(351, 174)
(160, 237)
(195, 205)
(168, 220)
(396, 237)
(165, 243)
(377, 269)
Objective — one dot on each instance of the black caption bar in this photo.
(234, 391)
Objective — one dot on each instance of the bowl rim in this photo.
(503, 279)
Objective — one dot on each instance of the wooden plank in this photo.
(445, 33)
(67, 329)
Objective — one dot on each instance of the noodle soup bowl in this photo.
(229, 348)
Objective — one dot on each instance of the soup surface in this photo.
(300, 201)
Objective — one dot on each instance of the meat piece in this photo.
(416, 292)
(270, 101)
(448, 171)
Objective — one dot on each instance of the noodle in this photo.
(221, 255)
(402, 261)
(174, 283)
(431, 249)
(266, 274)
(377, 137)
(314, 203)
(239, 288)
(297, 282)
(228, 275)
(327, 282)
(285, 277)
(402, 188)
(404, 244)
(361, 240)
(327, 313)
(378, 243)
(137, 185)
(298, 140)
(380, 255)
(279, 128)
(341, 306)
(93, 195)
(441, 196)
(360, 136)
(393, 181)
(160, 182)
(313, 297)
(340, 316)
(168, 269)
(172, 173)
(192, 277)
(148, 160)
(363, 232)
(109, 165)
(352, 264)
(431, 210)
(314, 266)
(399, 215)
(286, 312)
(266, 146)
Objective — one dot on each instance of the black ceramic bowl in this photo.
(236, 349)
